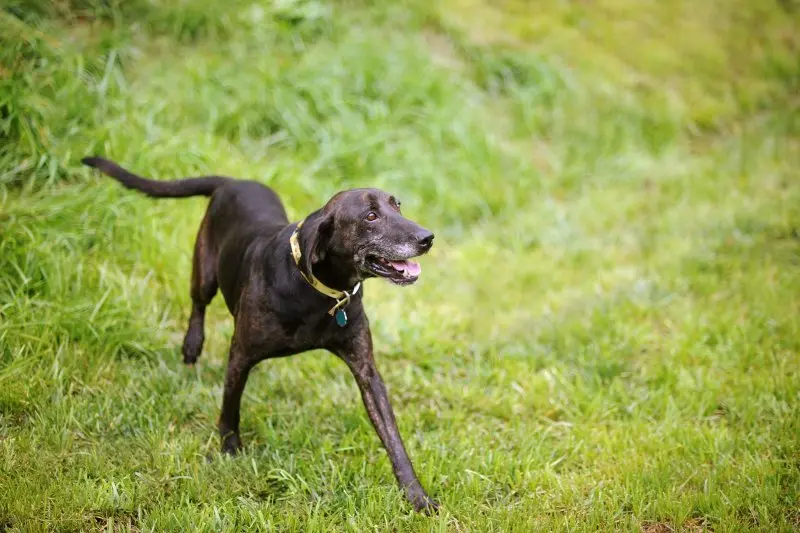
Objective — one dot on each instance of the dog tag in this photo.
(341, 318)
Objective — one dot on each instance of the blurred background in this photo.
(605, 336)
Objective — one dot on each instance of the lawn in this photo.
(606, 335)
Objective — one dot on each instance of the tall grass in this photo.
(604, 337)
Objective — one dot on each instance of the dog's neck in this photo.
(315, 256)
(336, 272)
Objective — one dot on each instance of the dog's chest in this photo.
(283, 333)
(317, 331)
(277, 322)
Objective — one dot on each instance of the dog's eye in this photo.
(372, 216)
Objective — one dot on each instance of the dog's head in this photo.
(361, 234)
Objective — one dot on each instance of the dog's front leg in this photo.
(235, 379)
(358, 356)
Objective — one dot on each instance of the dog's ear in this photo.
(314, 236)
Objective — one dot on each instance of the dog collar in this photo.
(342, 297)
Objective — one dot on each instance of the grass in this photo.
(604, 338)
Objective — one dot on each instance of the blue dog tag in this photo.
(341, 318)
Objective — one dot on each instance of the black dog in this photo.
(295, 287)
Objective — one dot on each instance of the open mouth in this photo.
(401, 272)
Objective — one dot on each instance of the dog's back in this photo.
(240, 206)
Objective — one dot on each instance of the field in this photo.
(606, 335)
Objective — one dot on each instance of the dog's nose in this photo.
(425, 239)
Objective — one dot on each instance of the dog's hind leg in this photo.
(204, 287)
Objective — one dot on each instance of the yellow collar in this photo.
(342, 297)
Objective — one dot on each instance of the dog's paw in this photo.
(192, 346)
(231, 444)
(423, 503)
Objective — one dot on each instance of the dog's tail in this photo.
(203, 186)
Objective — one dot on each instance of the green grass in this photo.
(605, 336)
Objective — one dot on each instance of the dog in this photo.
(294, 287)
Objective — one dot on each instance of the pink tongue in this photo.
(408, 268)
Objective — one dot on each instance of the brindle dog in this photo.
(243, 249)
